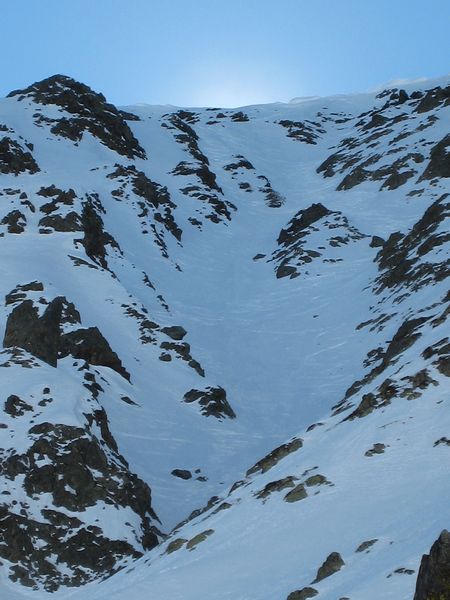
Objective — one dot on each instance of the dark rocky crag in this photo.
(42, 336)
(89, 113)
(79, 467)
(433, 580)
(15, 159)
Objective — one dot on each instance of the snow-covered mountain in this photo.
(226, 353)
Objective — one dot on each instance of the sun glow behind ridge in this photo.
(231, 86)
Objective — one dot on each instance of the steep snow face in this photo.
(189, 291)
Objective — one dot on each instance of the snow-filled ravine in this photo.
(236, 310)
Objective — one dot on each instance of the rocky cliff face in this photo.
(434, 574)
(225, 332)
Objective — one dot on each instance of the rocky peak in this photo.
(63, 91)
(91, 112)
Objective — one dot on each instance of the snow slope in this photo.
(266, 239)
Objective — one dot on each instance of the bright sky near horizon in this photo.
(223, 52)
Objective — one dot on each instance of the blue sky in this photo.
(217, 52)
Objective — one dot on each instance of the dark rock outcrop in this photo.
(303, 594)
(14, 159)
(183, 351)
(273, 198)
(90, 345)
(182, 473)
(58, 197)
(175, 545)
(95, 238)
(376, 242)
(367, 405)
(433, 580)
(439, 165)
(332, 564)
(199, 538)
(16, 407)
(241, 163)
(274, 457)
(19, 292)
(213, 402)
(303, 131)
(15, 221)
(433, 98)
(302, 220)
(376, 449)
(239, 117)
(65, 223)
(276, 486)
(364, 546)
(42, 337)
(38, 335)
(176, 332)
(298, 493)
